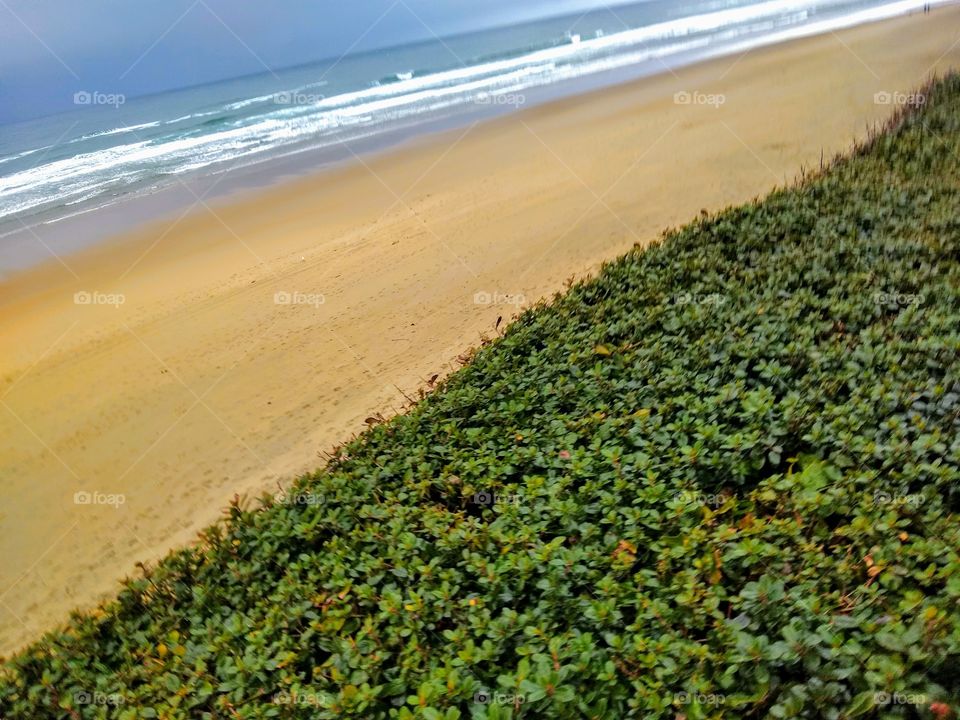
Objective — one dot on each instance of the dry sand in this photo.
(200, 385)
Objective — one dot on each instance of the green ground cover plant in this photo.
(719, 480)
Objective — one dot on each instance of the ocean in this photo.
(112, 149)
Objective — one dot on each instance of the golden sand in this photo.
(201, 385)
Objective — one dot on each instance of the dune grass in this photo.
(718, 480)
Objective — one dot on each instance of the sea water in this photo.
(114, 148)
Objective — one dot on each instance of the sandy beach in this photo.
(147, 381)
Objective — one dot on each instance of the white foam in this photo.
(115, 131)
(361, 112)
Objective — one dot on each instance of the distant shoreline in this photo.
(100, 220)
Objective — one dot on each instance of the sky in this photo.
(51, 49)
